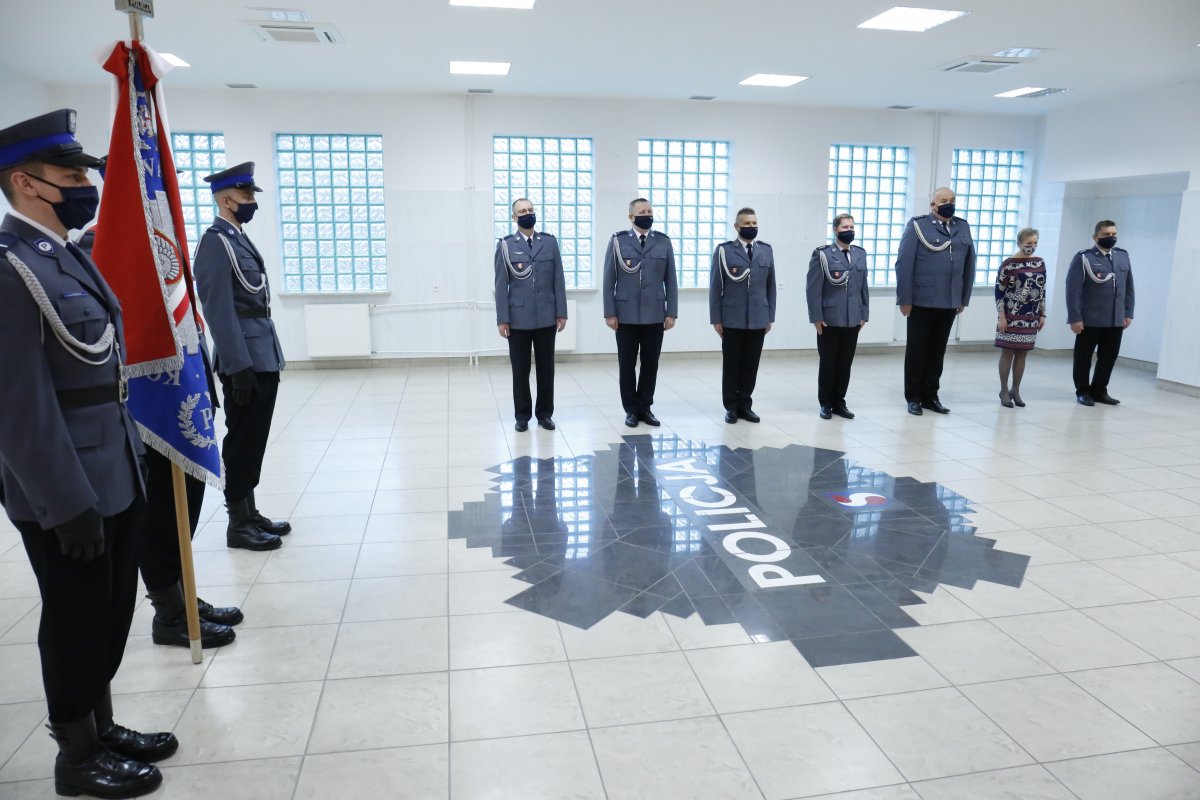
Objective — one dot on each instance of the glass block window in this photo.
(870, 182)
(988, 188)
(556, 175)
(197, 154)
(331, 212)
(687, 182)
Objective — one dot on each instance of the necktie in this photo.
(643, 238)
(750, 253)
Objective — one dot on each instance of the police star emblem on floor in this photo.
(794, 543)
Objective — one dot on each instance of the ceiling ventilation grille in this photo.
(480, 91)
(1043, 93)
(301, 33)
(702, 97)
(979, 66)
(900, 108)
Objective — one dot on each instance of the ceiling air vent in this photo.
(1043, 93)
(900, 108)
(242, 85)
(480, 91)
(303, 33)
(977, 65)
(702, 97)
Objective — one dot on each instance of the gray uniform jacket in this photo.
(842, 305)
(56, 462)
(1105, 300)
(650, 294)
(750, 303)
(238, 319)
(539, 299)
(935, 267)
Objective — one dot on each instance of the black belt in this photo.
(94, 396)
(254, 313)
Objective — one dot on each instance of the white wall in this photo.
(20, 98)
(438, 176)
(1150, 133)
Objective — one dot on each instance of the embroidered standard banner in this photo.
(141, 249)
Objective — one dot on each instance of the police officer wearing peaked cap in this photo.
(531, 308)
(838, 307)
(70, 455)
(231, 279)
(741, 308)
(641, 301)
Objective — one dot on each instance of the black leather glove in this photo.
(82, 538)
(243, 386)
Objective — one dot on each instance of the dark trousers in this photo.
(637, 391)
(247, 428)
(741, 350)
(86, 611)
(160, 542)
(1108, 341)
(925, 352)
(539, 341)
(836, 348)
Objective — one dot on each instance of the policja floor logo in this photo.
(795, 543)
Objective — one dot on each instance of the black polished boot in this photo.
(243, 532)
(85, 766)
(170, 622)
(144, 747)
(222, 615)
(281, 528)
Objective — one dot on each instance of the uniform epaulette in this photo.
(621, 233)
(7, 240)
(761, 242)
(547, 235)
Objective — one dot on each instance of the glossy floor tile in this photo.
(998, 603)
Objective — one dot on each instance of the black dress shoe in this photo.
(631, 420)
(169, 626)
(243, 533)
(650, 419)
(936, 407)
(826, 412)
(547, 423)
(749, 415)
(225, 615)
(1084, 400)
(1107, 399)
(915, 409)
(85, 766)
(731, 417)
(521, 426)
(843, 412)
(281, 528)
(144, 747)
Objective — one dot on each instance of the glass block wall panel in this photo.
(197, 155)
(556, 174)
(870, 182)
(988, 187)
(687, 182)
(331, 212)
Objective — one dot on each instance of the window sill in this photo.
(311, 295)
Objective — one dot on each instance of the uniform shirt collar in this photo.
(54, 237)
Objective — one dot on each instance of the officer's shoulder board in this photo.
(856, 247)
(549, 236)
(1085, 251)
(761, 243)
(621, 232)
(7, 240)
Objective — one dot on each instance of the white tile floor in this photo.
(379, 660)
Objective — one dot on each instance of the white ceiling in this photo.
(642, 48)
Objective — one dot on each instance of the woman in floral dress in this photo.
(1021, 312)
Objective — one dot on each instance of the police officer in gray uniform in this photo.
(935, 270)
(231, 280)
(838, 306)
(531, 308)
(641, 301)
(70, 455)
(741, 308)
(1099, 309)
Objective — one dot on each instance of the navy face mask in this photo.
(78, 206)
(1107, 242)
(748, 233)
(845, 237)
(527, 221)
(245, 212)
(644, 221)
(946, 210)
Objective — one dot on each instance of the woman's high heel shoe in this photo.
(1016, 398)
(1005, 401)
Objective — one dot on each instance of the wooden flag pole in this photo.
(184, 529)
(136, 9)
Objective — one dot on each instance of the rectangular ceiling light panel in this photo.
(905, 18)
(479, 67)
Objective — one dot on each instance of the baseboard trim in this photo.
(1180, 388)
